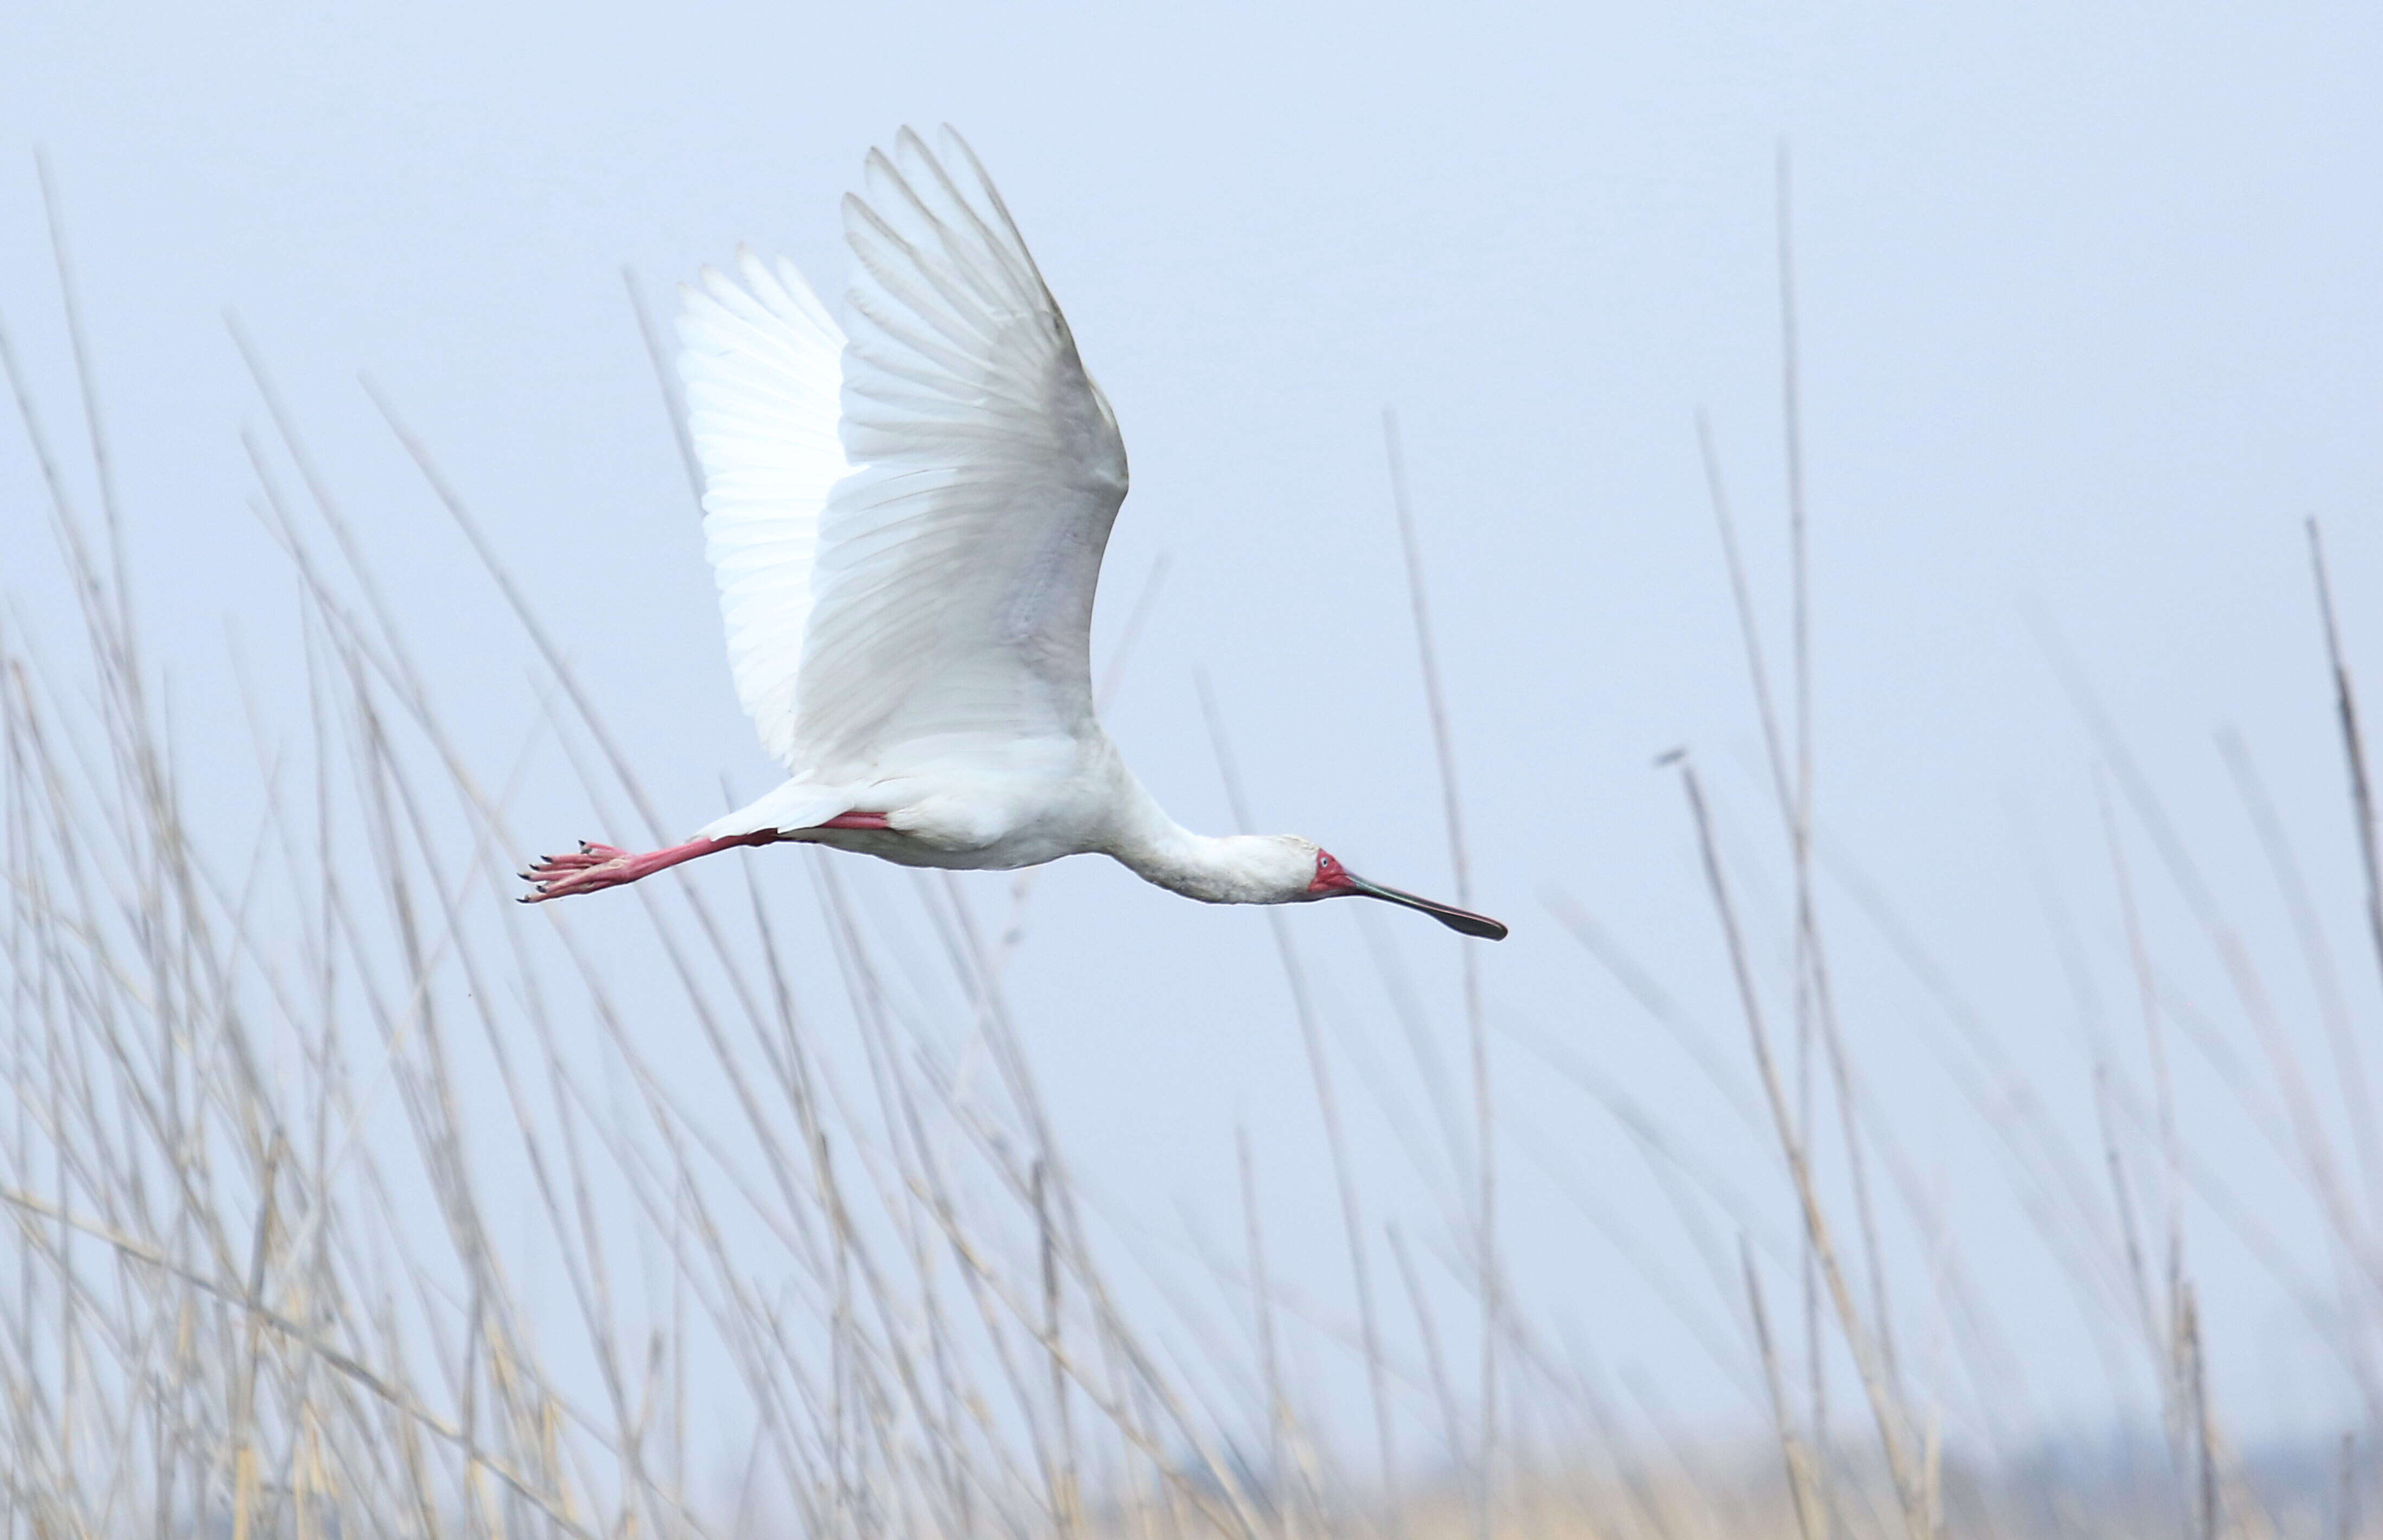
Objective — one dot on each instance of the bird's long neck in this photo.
(1158, 849)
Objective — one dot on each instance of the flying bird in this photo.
(907, 522)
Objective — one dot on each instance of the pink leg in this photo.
(593, 868)
(596, 867)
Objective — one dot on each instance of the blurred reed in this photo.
(283, 1108)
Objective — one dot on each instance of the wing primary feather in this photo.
(957, 259)
(1016, 241)
(950, 317)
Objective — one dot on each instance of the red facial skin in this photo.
(1331, 877)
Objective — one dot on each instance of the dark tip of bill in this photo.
(1463, 921)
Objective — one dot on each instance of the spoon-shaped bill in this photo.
(1464, 921)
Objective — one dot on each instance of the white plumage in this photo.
(907, 520)
(763, 371)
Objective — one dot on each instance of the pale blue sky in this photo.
(2093, 318)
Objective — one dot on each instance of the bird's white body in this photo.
(906, 515)
(1020, 804)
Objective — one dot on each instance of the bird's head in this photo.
(1313, 872)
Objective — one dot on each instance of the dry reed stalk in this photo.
(486, 1364)
(264, 1284)
(2313, 1158)
(1659, 1006)
(103, 463)
(2333, 1009)
(1329, 1106)
(1451, 1422)
(1888, 1416)
(1797, 806)
(1676, 1168)
(1277, 1405)
(2354, 743)
(667, 382)
(1430, 1070)
(1485, 1131)
(1815, 1000)
(1815, 994)
(2060, 1195)
(1066, 1501)
(2345, 1505)
(385, 1391)
(1810, 1516)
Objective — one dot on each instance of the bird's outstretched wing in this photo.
(763, 366)
(953, 594)
(907, 569)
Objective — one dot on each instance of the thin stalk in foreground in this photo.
(2354, 743)
(1790, 1449)
(1799, 811)
(1262, 1309)
(1328, 1103)
(673, 403)
(1443, 744)
(1882, 1408)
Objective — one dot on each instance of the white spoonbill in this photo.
(906, 525)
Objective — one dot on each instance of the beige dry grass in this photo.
(262, 1269)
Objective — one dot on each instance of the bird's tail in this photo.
(796, 805)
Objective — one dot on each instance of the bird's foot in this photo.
(589, 868)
